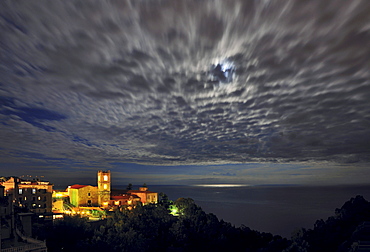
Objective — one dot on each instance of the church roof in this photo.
(76, 186)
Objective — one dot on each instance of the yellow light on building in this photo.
(116, 202)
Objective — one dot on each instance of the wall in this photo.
(86, 194)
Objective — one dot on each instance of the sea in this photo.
(277, 209)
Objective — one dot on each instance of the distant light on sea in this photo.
(223, 185)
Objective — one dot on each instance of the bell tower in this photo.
(103, 188)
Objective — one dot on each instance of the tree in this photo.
(337, 232)
(129, 187)
(164, 201)
(144, 228)
(73, 229)
(186, 207)
(153, 228)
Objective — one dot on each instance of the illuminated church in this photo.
(93, 196)
(101, 195)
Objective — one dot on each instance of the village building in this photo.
(104, 188)
(91, 196)
(34, 195)
(83, 195)
(123, 200)
(16, 228)
(146, 197)
(77, 199)
(60, 201)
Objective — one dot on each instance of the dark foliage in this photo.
(164, 200)
(153, 228)
(337, 233)
(129, 187)
(70, 234)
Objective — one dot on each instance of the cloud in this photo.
(224, 174)
(130, 81)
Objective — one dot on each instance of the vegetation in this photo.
(338, 232)
(154, 228)
(129, 187)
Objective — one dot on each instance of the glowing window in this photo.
(25, 198)
(116, 202)
(33, 190)
(105, 178)
(20, 191)
(105, 186)
(38, 198)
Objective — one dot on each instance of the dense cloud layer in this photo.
(132, 81)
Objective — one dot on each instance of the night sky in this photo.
(186, 92)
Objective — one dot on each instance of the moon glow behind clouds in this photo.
(129, 81)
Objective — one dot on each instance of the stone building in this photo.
(35, 195)
(128, 200)
(83, 195)
(146, 197)
(104, 187)
(102, 196)
(91, 196)
(5, 214)
(16, 228)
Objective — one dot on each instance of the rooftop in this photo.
(77, 186)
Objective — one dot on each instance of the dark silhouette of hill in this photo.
(154, 228)
(338, 232)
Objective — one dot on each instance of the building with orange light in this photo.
(35, 195)
(83, 195)
(78, 196)
(16, 228)
(91, 196)
(146, 197)
(60, 198)
(129, 200)
(104, 187)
